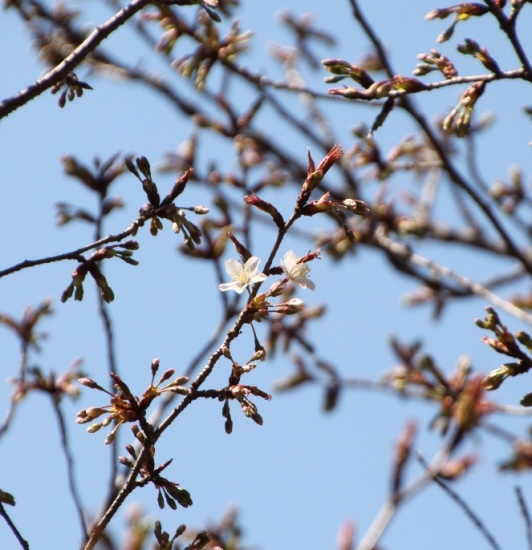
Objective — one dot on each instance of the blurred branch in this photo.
(404, 252)
(526, 515)
(388, 510)
(14, 399)
(23, 543)
(70, 464)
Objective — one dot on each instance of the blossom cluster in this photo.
(247, 274)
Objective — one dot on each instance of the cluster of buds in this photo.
(250, 150)
(469, 405)
(174, 27)
(460, 395)
(506, 343)
(198, 65)
(98, 179)
(158, 209)
(303, 32)
(461, 12)
(342, 69)
(325, 204)
(510, 194)
(240, 392)
(300, 376)
(382, 88)
(367, 151)
(25, 328)
(261, 308)
(73, 88)
(150, 187)
(470, 47)
(371, 89)
(226, 532)
(57, 386)
(337, 208)
(450, 471)
(169, 492)
(458, 121)
(124, 407)
(124, 251)
(416, 154)
(191, 232)
(163, 537)
(315, 174)
(435, 61)
(314, 178)
(67, 212)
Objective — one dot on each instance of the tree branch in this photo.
(59, 72)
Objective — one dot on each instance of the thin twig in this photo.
(112, 366)
(467, 510)
(15, 398)
(526, 515)
(156, 416)
(76, 254)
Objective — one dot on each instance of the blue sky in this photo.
(302, 474)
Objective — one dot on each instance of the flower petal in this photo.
(233, 285)
(233, 268)
(252, 265)
(289, 262)
(306, 283)
(258, 278)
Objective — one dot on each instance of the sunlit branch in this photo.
(508, 25)
(59, 72)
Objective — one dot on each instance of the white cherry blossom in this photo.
(296, 272)
(242, 275)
